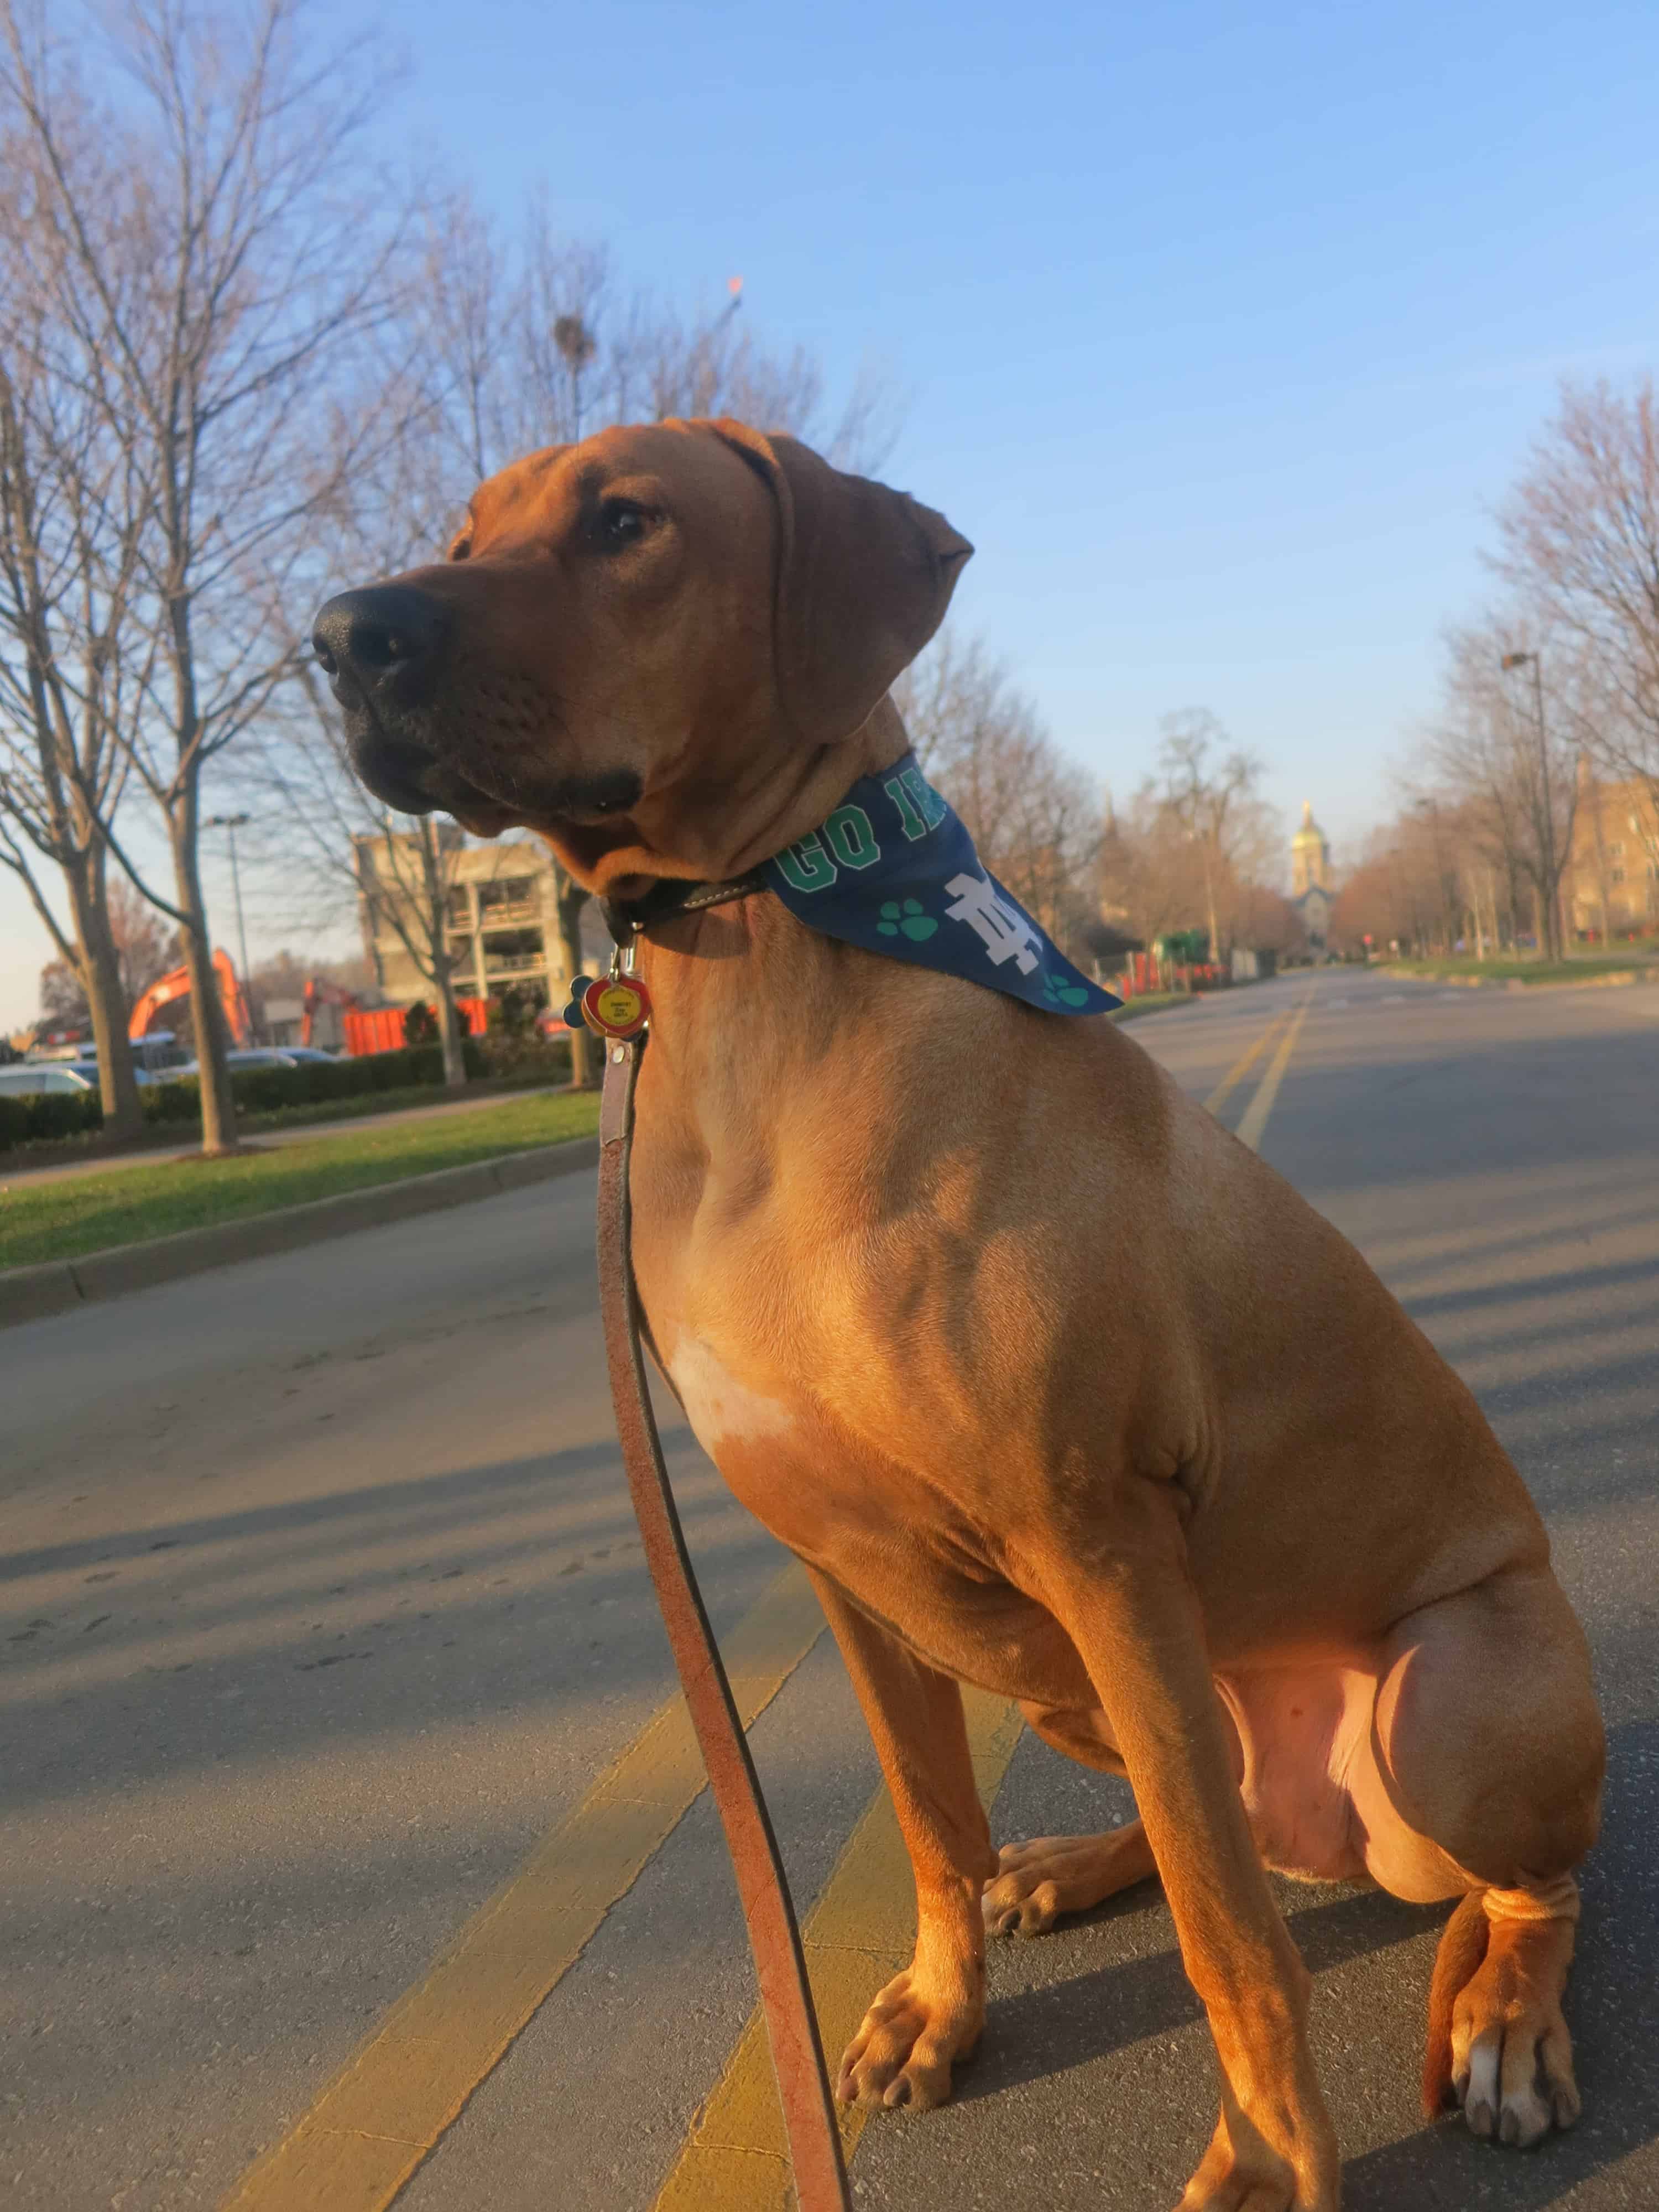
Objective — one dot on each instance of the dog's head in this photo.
(631, 637)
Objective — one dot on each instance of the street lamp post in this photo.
(1547, 905)
(230, 824)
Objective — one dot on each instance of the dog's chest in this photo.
(722, 1409)
(892, 1542)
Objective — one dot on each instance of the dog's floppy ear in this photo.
(864, 577)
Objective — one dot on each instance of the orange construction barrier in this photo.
(380, 1029)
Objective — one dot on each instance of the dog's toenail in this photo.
(900, 2092)
(1480, 2118)
(1509, 2128)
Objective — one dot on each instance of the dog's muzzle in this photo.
(382, 650)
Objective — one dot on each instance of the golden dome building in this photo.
(1310, 878)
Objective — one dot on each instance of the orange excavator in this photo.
(317, 994)
(176, 985)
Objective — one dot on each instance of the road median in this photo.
(57, 1286)
(1555, 976)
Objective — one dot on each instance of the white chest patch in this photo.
(720, 1409)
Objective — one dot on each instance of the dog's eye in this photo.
(621, 522)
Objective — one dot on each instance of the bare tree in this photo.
(1034, 816)
(1504, 753)
(1579, 540)
(1437, 878)
(1213, 799)
(1149, 877)
(207, 269)
(145, 949)
(71, 659)
(346, 853)
(1196, 848)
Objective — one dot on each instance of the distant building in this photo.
(1610, 885)
(503, 923)
(1311, 891)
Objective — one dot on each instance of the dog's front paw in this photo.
(910, 2038)
(1243, 2173)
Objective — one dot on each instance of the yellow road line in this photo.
(1241, 1066)
(388, 2107)
(859, 1935)
(1256, 1114)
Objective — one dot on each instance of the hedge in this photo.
(30, 1120)
(309, 1082)
(43, 1115)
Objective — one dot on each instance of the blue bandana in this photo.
(894, 870)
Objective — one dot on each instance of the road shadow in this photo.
(1041, 2032)
(1371, 1957)
(238, 1639)
(1613, 2007)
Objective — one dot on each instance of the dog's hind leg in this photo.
(1040, 1880)
(1484, 1777)
(929, 2016)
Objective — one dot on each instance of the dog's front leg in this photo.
(931, 2014)
(1134, 1617)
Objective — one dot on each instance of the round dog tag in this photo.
(615, 1006)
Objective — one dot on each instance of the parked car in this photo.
(263, 1055)
(32, 1078)
(141, 1075)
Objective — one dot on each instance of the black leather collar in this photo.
(667, 899)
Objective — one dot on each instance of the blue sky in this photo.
(1223, 327)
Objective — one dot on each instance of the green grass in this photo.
(1150, 1002)
(1525, 971)
(92, 1212)
(163, 1136)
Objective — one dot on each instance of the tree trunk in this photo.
(212, 1040)
(449, 1031)
(440, 966)
(583, 1064)
(101, 978)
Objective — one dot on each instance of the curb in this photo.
(57, 1286)
(1617, 979)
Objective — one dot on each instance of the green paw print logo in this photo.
(907, 920)
(1059, 992)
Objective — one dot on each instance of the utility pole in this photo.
(230, 824)
(1547, 911)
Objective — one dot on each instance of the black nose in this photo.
(388, 629)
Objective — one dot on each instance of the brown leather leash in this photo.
(804, 2089)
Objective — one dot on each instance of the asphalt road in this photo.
(323, 1613)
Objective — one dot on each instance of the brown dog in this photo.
(1055, 1387)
